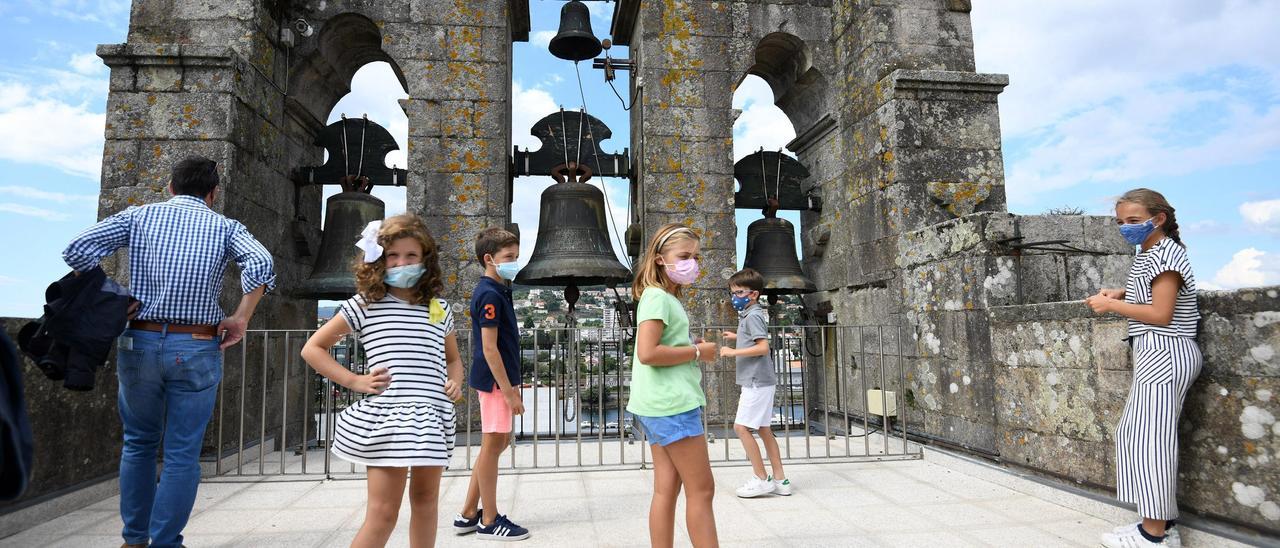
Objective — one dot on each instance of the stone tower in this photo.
(897, 130)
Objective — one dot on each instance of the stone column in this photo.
(682, 132)
(456, 58)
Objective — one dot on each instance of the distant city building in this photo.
(609, 322)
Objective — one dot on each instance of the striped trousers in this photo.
(1147, 437)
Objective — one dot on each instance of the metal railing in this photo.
(275, 415)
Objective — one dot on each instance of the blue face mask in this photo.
(739, 303)
(404, 276)
(1137, 233)
(507, 271)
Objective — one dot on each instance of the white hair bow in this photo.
(369, 242)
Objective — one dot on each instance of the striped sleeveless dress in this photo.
(411, 423)
(1166, 360)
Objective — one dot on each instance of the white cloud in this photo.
(542, 38)
(114, 14)
(602, 13)
(29, 211)
(1249, 267)
(87, 63)
(761, 124)
(1205, 227)
(70, 136)
(552, 79)
(1104, 91)
(528, 105)
(1263, 215)
(38, 194)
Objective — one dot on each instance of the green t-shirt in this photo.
(662, 391)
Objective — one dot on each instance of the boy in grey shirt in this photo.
(758, 381)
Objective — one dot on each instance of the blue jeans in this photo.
(168, 386)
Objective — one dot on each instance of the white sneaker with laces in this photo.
(755, 487)
(1129, 538)
(1171, 536)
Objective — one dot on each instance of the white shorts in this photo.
(755, 407)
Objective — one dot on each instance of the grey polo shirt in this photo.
(753, 325)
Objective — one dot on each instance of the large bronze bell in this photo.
(347, 213)
(771, 251)
(573, 246)
(574, 41)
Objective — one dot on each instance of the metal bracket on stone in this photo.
(358, 150)
(1056, 246)
(567, 139)
(768, 175)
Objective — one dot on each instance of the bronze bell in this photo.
(573, 240)
(771, 251)
(574, 41)
(346, 215)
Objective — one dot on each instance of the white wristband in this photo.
(697, 353)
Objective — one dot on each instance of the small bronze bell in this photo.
(574, 41)
(771, 251)
(347, 213)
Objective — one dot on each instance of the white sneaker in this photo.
(755, 487)
(1129, 537)
(1171, 536)
(781, 487)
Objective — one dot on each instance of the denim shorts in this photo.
(668, 430)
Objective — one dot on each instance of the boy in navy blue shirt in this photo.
(495, 374)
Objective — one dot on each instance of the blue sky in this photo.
(1181, 96)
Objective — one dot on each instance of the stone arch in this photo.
(785, 62)
(343, 44)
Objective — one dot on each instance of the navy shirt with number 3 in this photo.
(491, 306)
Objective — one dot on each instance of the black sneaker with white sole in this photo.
(463, 525)
(502, 529)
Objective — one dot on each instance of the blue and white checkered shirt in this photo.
(178, 253)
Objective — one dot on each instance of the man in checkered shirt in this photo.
(170, 357)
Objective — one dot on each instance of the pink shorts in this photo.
(495, 414)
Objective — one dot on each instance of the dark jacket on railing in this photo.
(15, 430)
(82, 317)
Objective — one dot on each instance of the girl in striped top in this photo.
(1159, 299)
(415, 376)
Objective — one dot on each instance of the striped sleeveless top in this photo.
(1166, 256)
(411, 423)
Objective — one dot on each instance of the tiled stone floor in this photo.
(892, 503)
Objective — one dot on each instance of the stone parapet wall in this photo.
(77, 435)
(942, 281)
(1063, 375)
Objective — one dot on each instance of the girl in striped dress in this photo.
(404, 432)
(1159, 299)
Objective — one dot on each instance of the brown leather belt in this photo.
(209, 330)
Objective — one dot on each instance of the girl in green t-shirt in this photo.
(666, 392)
